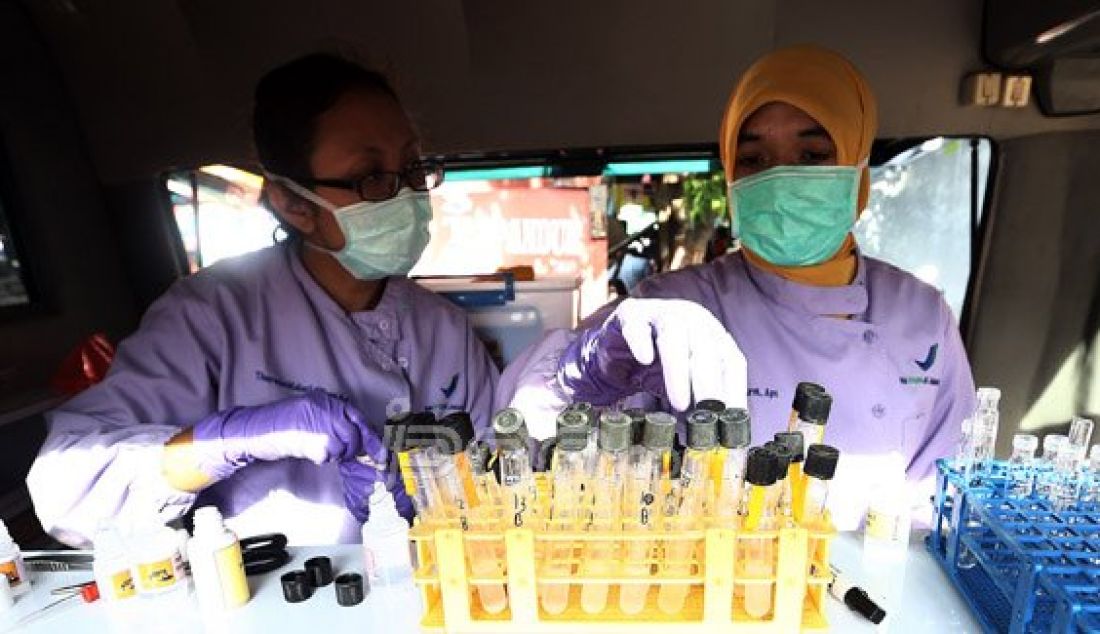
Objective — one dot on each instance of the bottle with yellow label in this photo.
(111, 566)
(217, 565)
(157, 566)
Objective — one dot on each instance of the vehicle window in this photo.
(619, 221)
(918, 217)
(13, 286)
(228, 219)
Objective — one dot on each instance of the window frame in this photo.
(13, 208)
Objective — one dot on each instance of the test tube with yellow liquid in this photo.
(756, 559)
(568, 478)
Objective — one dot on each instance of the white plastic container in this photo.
(388, 561)
(217, 566)
(157, 566)
(11, 563)
(111, 566)
(540, 305)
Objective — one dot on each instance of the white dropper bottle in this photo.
(386, 541)
(217, 565)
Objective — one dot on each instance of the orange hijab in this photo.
(827, 87)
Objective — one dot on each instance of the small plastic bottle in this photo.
(217, 565)
(889, 516)
(11, 563)
(1021, 466)
(386, 541)
(111, 566)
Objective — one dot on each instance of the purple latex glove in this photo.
(314, 426)
(359, 479)
(671, 348)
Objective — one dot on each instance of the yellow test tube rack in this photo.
(717, 580)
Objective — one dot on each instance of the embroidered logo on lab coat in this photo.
(930, 359)
(450, 389)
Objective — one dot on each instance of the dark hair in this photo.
(290, 98)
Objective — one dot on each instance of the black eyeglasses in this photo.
(421, 176)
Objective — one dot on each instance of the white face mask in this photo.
(381, 239)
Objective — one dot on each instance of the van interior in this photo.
(124, 128)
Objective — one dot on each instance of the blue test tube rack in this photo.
(1022, 566)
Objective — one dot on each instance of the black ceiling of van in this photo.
(161, 83)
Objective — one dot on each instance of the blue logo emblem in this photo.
(929, 360)
(450, 389)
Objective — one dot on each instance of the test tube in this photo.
(810, 412)
(820, 468)
(588, 411)
(517, 480)
(794, 488)
(985, 426)
(1080, 434)
(485, 481)
(459, 494)
(1021, 466)
(782, 488)
(757, 556)
(734, 435)
(643, 486)
(687, 506)
(1068, 464)
(453, 477)
(568, 476)
(964, 452)
(412, 437)
(607, 493)
(1046, 476)
(1092, 490)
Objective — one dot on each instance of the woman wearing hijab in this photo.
(799, 299)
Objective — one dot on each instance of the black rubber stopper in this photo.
(821, 462)
(296, 586)
(792, 440)
(734, 428)
(812, 403)
(783, 458)
(349, 589)
(319, 571)
(762, 468)
(858, 600)
(711, 405)
(454, 433)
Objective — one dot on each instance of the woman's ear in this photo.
(291, 210)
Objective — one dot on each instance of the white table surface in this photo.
(915, 593)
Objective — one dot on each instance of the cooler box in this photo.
(510, 315)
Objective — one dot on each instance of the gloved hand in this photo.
(314, 426)
(359, 479)
(672, 348)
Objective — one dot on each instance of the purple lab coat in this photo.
(248, 331)
(897, 369)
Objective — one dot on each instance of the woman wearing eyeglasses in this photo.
(261, 384)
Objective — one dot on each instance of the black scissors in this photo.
(264, 553)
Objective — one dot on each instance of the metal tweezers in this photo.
(58, 561)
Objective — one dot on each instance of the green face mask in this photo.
(795, 215)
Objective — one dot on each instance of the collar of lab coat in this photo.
(379, 323)
(815, 301)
